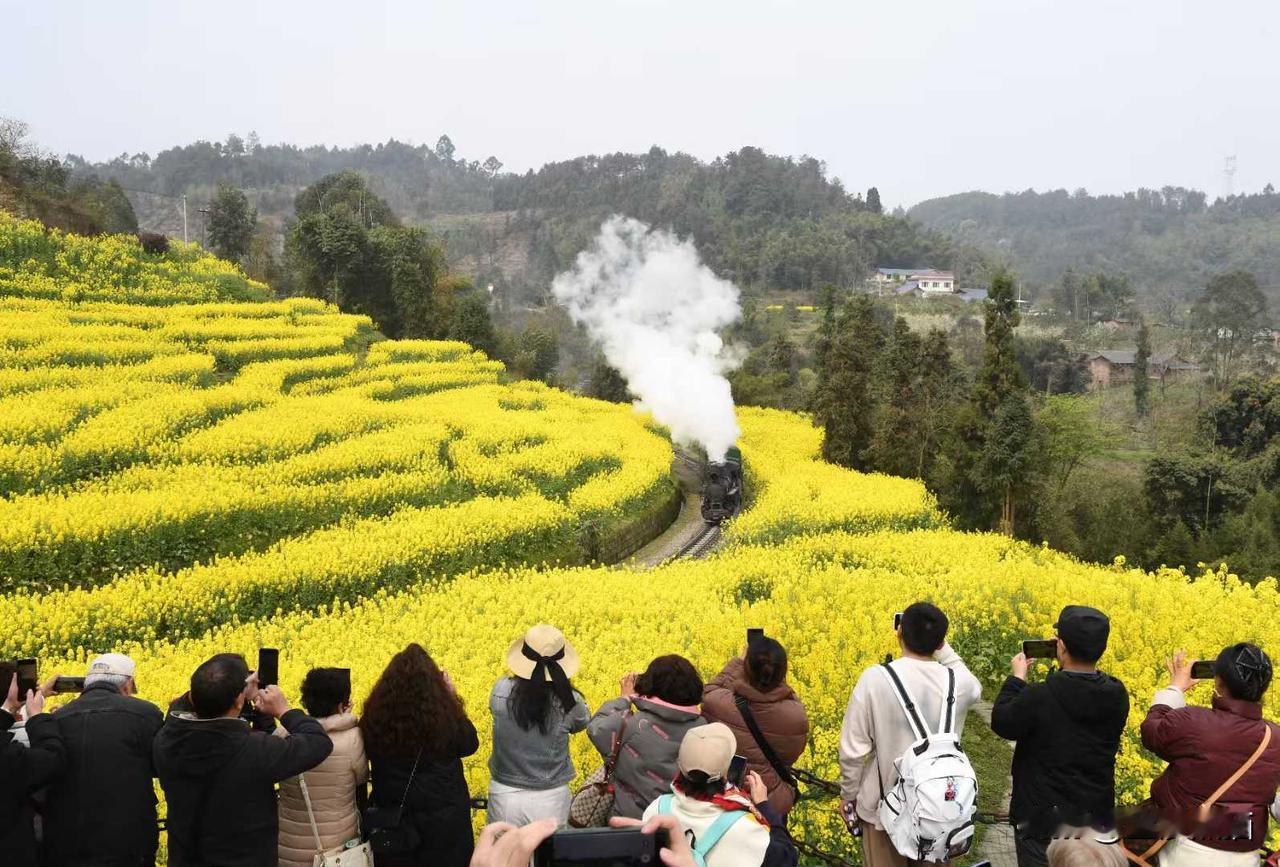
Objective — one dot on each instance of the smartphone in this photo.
(268, 667)
(1040, 649)
(1202, 669)
(897, 620)
(737, 770)
(599, 847)
(28, 677)
(753, 634)
(63, 685)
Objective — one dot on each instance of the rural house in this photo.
(926, 280)
(1111, 366)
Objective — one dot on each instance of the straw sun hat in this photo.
(545, 641)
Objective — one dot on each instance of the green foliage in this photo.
(37, 185)
(471, 324)
(1228, 317)
(1049, 366)
(897, 411)
(1000, 374)
(1068, 436)
(1141, 373)
(1197, 490)
(1170, 240)
(1245, 418)
(537, 352)
(606, 383)
(231, 223)
(844, 398)
(347, 247)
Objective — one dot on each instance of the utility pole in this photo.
(184, 218)
(1229, 173)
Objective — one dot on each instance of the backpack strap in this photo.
(703, 845)
(949, 706)
(907, 701)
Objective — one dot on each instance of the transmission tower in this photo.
(1229, 174)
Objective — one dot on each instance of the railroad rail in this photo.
(700, 545)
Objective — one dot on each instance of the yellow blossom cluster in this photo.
(181, 480)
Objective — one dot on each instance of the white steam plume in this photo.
(654, 308)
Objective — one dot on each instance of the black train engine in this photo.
(722, 488)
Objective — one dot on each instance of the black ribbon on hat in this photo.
(550, 664)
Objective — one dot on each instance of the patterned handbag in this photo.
(592, 804)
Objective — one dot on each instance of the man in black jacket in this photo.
(23, 769)
(219, 776)
(102, 811)
(1068, 732)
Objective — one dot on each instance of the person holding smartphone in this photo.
(219, 775)
(1225, 753)
(24, 769)
(335, 785)
(1068, 730)
(104, 808)
(755, 685)
(644, 728)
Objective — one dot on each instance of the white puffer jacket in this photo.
(332, 786)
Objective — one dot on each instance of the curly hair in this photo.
(411, 707)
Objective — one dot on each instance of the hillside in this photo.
(184, 477)
(1167, 241)
(764, 221)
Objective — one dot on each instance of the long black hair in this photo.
(530, 702)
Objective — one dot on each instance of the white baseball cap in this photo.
(113, 663)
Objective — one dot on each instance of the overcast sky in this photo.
(918, 98)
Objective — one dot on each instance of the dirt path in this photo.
(687, 525)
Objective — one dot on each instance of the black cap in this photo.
(1084, 631)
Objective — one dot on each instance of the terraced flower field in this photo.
(178, 479)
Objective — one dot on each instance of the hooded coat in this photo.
(1068, 732)
(103, 809)
(1204, 747)
(219, 782)
(647, 761)
(780, 715)
(332, 787)
(23, 769)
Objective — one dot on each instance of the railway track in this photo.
(700, 545)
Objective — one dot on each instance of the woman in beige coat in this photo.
(332, 785)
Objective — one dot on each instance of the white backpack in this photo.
(928, 814)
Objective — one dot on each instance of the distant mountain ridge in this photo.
(1167, 240)
(764, 221)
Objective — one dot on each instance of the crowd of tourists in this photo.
(702, 770)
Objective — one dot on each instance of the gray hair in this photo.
(116, 680)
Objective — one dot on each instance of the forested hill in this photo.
(1168, 240)
(766, 222)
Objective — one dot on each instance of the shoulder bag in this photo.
(360, 855)
(1207, 806)
(593, 803)
(770, 755)
(385, 827)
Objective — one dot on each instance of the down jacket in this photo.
(332, 785)
(1204, 747)
(647, 762)
(780, 715)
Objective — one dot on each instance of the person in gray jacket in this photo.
(534, 713)
(654, 712)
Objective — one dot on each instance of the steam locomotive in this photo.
(722, 488)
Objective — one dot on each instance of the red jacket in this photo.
(781, 718)
(1204, 748)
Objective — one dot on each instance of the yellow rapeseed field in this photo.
(184, 473)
